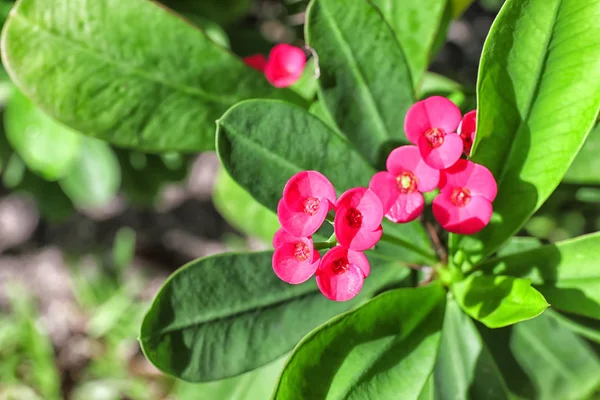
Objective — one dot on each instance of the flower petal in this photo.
(408, 159)
(467, 174)
(298, 223)
(465, 220)
(384, 185)
(339, 285)
(256, 61)
(444, 156)
(407, 207)
(285, 65)
(282, 236)
(359, 259)
(355, 238)
(289, 269)
(365, 201)
(466, 130)
(433, 112)
(308, 184)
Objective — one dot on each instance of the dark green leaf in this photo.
(586, 165)
(47, 147)
(221, 316)
(539, 95)
(416, 24)
(566, 273)
(382, 350)
(498, 301)
(221, 11)
(126, 71)
(367, 88)
(95, 176)
(465, 368)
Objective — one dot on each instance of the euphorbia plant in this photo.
(409, 312)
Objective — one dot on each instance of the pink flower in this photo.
(295, 260)
(464, 204)
(285, 65)
(307, 198)
(358, 215)
(466, 130)
(400, 188)
(430, 124)
(341, 273)
(256, 61)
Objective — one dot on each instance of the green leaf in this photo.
(319, 110)
(415, 24)
(498, 301)
(458, 7)
(221, 11)
(126, 71)
(262, 143)
(585, 167)
(47, 147)
(465, 368)
(382, 350)
(95, 176)
(566, 273)
(223, 315)
(518, 244)
(367, 88)
(585, 327)
(535, 109)
(241, 211)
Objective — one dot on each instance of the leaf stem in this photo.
(406, 244)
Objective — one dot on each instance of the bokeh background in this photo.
(81, 257)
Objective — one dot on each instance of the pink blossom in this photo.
(464, 204)
(466, 130)
(431, 124)
(341, 274)
(400, 188)
(295, 259)
(307, 198)
(285, 65)
(358, 216)
(256, 61)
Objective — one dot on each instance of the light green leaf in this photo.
(126, 71)
(585, 327)
(498, 301)
(458, 7)
(241, 211)
(566, 273)
(416, 25)
(95, 176)
(382, 350)
(223, 315)
(539, 95)
(518, 244)
(465, 368)
(586, 166)
(47, 147)
(367, 88)
(319, 110)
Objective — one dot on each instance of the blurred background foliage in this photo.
(89, 231)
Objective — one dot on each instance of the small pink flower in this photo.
(295, 260)
(256, 61)
(307, 198)
(431, 124)
(466, 130)
(358, 216)
(464, 204)
(285, 65)
(400, 188)
(341, 273)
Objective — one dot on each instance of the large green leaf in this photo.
(126, 71)
(586, 166)
(416, 24)
(566, 273)
(47, 147)
(498, 301)
(241, 211)
(95, 176)
(382, 350)
(465, 368)
(262, 143)
(224, 315)
(538, 97)
(365, 80)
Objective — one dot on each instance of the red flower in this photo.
(467, 129)
(285, 65)
(256, 61)
(464, 204)
(295, 260)
(400, 188)
(358, 215)
(341, 274)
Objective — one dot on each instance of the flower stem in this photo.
(403, 243)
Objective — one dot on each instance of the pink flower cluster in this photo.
(442, 136)
(284, 66)
(308, 197)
